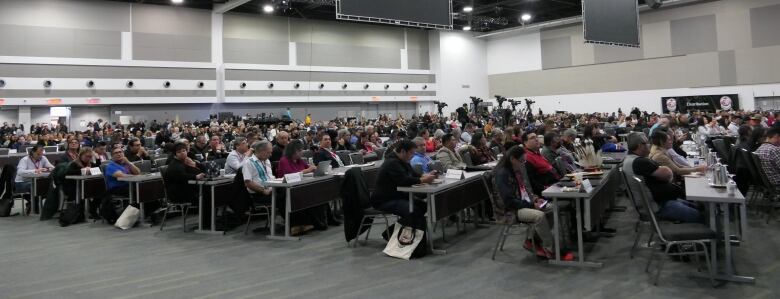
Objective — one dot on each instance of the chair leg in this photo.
(504, 235)
(165, 216)
(248, 220)
(636, 242)
(184, 218)
(650, 260)
(368, 232)
(661, 264)
(709, 265)
(498, 242)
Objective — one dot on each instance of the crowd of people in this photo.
(532, 152)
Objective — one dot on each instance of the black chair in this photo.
(380, 153)
(644, 217)
(507, 219)
(756, 189)
(770, 191)
(683, 236)
(723, 151)
(171, 203)
(256, 208)
(306, 154)
(345, 157)
(359, 201)
(496, 151)
(221, 162)
(356, 158)
(465, 153)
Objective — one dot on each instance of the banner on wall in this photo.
(708, 103)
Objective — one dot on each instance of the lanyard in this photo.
(37, 164)
(260, 170)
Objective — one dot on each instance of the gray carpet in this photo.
(43, 260)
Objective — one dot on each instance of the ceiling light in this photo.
(466, 28)
(468, 9)
(268, 8)
(525, 17)
(177, 1)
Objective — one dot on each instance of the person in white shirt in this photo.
(257, 169)
(466, 135)
(236, 157)
(34, 163)
(734, 126)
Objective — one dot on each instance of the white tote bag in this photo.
(403, 242)
(128, 217)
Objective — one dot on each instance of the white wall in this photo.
(11, 116)
(518, 53)
(649, 100)
(87, 114)
(460, 63)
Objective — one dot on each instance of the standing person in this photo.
(463, 115)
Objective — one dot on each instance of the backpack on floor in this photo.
(71, 214)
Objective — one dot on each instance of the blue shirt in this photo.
(421, 159)
(111, 181)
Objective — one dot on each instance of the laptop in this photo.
(323, 168)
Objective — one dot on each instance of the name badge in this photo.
(95, 171)
(293, 177)
(587, 185)
(455, 174)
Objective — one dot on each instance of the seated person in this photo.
(397, 172)
(236, 157)
(420, 158)
(100, 154)
(447, 155)
(215, 150)
(292, 162)
(34, 163)
(611, 145)
(769, 154)
(659, 153)
(540, 171)
(511, 183)
(658, 180)
(85, 160)
(182, 169)
(480, 153)
(256, 170)
(326, 153)
(343, 141)
(136, 151)
(118, 167)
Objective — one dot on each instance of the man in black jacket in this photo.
(397, 172)
(180, 170)
(327, 154)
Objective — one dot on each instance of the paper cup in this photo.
(84, 171)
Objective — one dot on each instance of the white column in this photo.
(217, 54)
(25, 117)
(127, 46)
(293, 48)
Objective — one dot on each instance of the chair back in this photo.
(417, 168)
(149, 143)
(633, 195)
(50, 149)
(162, 170)
(496, 151)
(762, 173)
(380, 153)
(436, 165)
(144, 165)
(103, 167)
(345, 157)
(160, 161)
(747, 160)
(465, 153)
(500, 211)
(560, 166)
(644, 200)
(356, 158)
(4, 151)
(221, 162)
(722, 150)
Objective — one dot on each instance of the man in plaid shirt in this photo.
(769, 154)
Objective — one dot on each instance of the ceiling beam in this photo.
(227, 6)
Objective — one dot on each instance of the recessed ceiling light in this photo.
(268, 8)
(525, 17)
(466, 28)
(468, 9)
(177, 1)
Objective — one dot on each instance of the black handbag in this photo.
(71, 214)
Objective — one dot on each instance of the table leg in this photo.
(743, 220)
(581, 250)
(200, 208)
(33, 195)
(213, 211)
(287, 213)
(81, 197)
(556, 230)
(727, 246)
(714, 226)
(411, 202)
(431, 215)
(273, 214)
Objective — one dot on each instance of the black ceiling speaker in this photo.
(425, 86)
(47, 83)
(322, 85)
(130, 84)
(344, 86)
(387, 86)
(654, 4)
(365, 86)
(167, 84)
(243, 84)
(90, 83)
(2, 83)
(406, 86)
(201, 84)
(297, 85)
(271, 85)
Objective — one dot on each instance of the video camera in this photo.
(500, 101)
(440, 106)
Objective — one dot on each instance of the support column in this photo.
(25, 117)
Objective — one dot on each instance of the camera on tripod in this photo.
(500, 101)
(440, 106)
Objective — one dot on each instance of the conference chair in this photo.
(644, 217)
(507, 219)
(50, 149)
(345, 157)
(171, 203)
(756, 189)
(496, 151)
(4, 152)
(359, 201)
(770, 191)
(683, 236)
(356, 158)
(380, 153)
(160, 162)
(723, 152)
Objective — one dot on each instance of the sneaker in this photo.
(528, 245)
(567, 256)
(544, 253)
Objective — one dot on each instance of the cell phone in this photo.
(544, 204)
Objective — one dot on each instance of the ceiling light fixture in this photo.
(177, 1)
(468, 9)
(466, 28)
(268, 8)
(525, 17)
